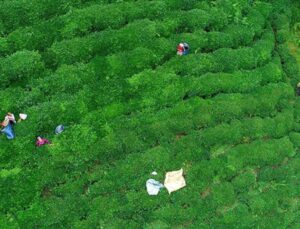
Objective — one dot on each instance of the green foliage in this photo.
(226, 59)
(19, 67)
(3, 46)
(108, 71)
(260, 153)
(15, 13)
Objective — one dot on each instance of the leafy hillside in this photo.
(227, 113)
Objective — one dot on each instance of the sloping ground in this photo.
(294, 39)
(226, 113)
(294, 43)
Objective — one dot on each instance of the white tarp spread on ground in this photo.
(174, 180)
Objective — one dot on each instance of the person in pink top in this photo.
(41, 141)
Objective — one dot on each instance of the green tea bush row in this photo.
(70, 78)
(215, 141)
(130, 134)
(46, 111)
(62, 108)
(260, 153)
(79, 22)
(14, 14)
(281, 25)
(17, 96)
(214, 111)
(37, 10)
(239, 131)
(229, 162)
(23, 195)
(67, 79)
(141, 33)
(82, 21)
(289, 64)
(111, 41)
(297, 115)
(126, 63)
(240, 81)
(148, 88)
(234, 35)
(186, 18)
(19, 67)
(207, 41)
(114, 62)
(103, 43)
(225, 59)
(261, 11)
(143, 58)
(279, 190)
(211, 19)
(278, 175)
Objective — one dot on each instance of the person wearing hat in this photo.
(9, 119)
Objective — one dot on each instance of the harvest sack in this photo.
(174, 180)
(23, 116)
(59, 129)
(153, 187)
(9, 132)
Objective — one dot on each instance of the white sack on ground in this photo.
(23, 116)
(174, 180)
(153, 187)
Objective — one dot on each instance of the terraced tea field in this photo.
(227, 113)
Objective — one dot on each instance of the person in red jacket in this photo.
(182, 49)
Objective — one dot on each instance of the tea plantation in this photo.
(227, 113)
